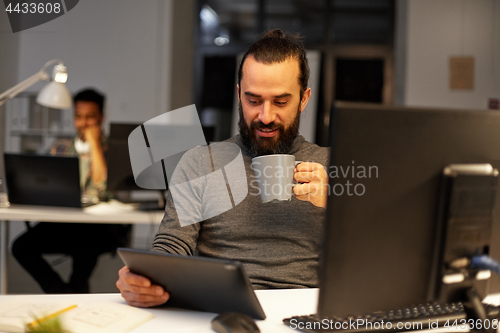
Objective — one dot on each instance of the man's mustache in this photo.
(271, 126)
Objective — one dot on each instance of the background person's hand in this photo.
(92, 134)
(315, 183)
(138, 290)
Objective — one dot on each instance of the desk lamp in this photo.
(54, 95)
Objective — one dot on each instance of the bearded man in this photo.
(278, 244)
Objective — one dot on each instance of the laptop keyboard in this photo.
(424, 316)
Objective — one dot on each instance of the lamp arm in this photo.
(50, 62)
(41, 75)
(4, 97)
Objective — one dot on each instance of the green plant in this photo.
(52, 325)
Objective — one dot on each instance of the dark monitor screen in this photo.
(120, 175)
(384, 184)
(43, 180)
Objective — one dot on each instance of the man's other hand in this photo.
(138, 290)
(92, 134)
(314, 187)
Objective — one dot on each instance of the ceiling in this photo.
(319, 21)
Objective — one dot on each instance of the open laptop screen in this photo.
(43, 180)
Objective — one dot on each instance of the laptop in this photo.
(197, 283)
(43, 180)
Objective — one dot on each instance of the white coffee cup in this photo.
(274, 175)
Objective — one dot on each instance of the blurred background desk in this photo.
(104, 212)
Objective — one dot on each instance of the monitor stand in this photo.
(477, 312)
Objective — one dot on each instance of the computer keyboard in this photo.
(424, 316)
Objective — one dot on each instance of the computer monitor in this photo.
(120, 175)
(384, 188)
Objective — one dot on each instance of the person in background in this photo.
(83, 242)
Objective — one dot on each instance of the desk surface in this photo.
(104, 212)
(277, 304)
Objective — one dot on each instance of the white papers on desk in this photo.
(109, 208)
(16, 314)
(102, 317)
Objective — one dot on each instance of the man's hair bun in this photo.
(275, 33)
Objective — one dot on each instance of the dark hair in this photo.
(91, 95)
(274, 47)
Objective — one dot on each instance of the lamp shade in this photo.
(55, 95)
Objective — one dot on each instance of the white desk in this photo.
(105, 212)
(277, 304)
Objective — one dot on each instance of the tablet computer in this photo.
(197, 283)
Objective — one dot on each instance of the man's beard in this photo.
(278, 144)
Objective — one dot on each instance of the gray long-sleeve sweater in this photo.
(278, 243)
